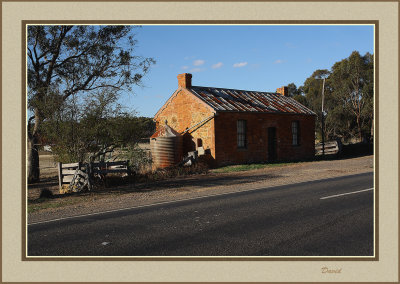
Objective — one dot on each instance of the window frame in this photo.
(241, 134)
(295, 133)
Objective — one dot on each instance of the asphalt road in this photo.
(305, 219)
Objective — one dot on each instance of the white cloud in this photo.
(217, 65)
(278, 61)
(240, 64)
(196, 70)
(185, 67)
(198, 62)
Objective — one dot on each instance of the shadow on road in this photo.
(195, 181)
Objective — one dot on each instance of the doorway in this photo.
(271, 144)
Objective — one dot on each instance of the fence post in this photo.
(90, 174)
(59, 174)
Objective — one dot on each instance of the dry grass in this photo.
(248, 167)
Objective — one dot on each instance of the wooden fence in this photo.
(109, 167)
(331, 148)
(66, 172)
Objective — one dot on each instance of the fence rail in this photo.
(331, 147)
(66, 172)
(110, 167)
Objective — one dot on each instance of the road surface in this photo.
(332, 217)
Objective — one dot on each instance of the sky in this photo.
(246, 57)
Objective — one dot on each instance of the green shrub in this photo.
(139, 160)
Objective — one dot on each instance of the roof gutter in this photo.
(201, 123)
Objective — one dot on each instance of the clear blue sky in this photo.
(259, 58)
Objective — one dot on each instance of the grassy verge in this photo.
(53, 200)
(46, 203)
(248, 167)
(113, 182)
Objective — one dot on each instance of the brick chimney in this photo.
(185, 80)
(283, 91)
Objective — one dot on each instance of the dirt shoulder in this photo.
(194, 186)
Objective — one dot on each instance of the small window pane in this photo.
(241, 134)
(295, 133)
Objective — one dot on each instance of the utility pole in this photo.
(322, 119)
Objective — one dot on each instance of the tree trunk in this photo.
(372, 128)
(359, 129)
(33, 160)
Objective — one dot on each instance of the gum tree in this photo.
(352, 81)
(66, 61)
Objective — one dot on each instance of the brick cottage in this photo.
(236, 126)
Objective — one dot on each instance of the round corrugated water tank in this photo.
(166, 147)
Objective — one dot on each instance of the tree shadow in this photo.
(197, 181)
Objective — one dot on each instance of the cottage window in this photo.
(241, 134)
(295, 133)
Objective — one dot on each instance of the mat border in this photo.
(24, 23)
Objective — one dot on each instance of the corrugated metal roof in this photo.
(248, 101)
(165, 131)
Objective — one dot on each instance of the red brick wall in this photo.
(184, 111)
(219, 135)
(226, 151)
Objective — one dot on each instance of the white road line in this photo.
(145, 205)
(347, 193)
